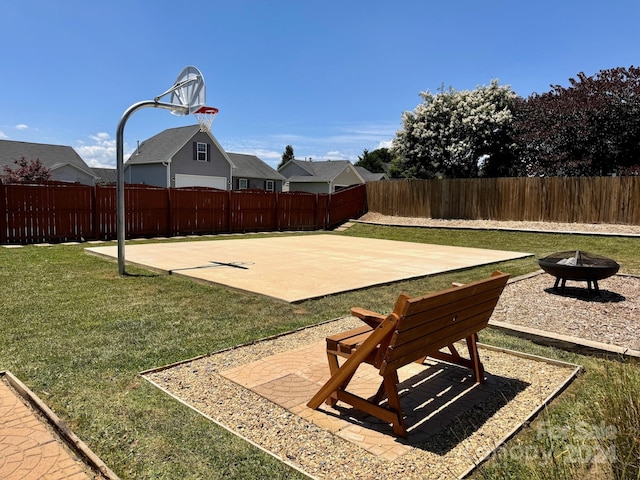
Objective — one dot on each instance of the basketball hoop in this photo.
(205, 117)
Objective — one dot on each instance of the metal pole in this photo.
(120, 169)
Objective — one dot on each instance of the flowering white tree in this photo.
(456, 134)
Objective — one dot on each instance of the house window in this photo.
(242, 184)
(201, 152)
(268, 185)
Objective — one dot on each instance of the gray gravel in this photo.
(590, 228)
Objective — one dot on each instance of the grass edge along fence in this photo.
(54, 213)
(614, 200)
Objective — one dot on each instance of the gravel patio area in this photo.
(459, 427)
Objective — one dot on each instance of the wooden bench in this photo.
(416, 329)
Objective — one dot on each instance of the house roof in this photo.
(369, 176)
(250, 166)
(163, 146)
(106, 175)
(325, 171)
(51, 156)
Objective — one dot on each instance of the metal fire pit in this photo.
(578, 266)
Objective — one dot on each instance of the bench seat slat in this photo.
(355, 336)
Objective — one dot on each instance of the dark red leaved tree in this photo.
(27, 171)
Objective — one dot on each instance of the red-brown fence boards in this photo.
(253, 211)
(199, 210)
(297, 210)
(346, 204)
(55, 213)
(72, 212)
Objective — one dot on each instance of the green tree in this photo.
(374, 161)
(286, 156)
(27, 171)
(590, 128)
(454, 133)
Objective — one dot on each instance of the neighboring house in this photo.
(320, 177)
(371, 177)
(187, 157)
(251, 172)
(63, 162)
(105, 175)
(180, 157)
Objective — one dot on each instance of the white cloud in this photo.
(22, 126)
(101, 152)
(335, 155)
(2, 135)
(343, 141)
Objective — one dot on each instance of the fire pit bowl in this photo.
(578, 266)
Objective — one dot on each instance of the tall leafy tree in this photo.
(374, 161)
(455, 133)
(27, 171)
(286, 155)
(591, 127)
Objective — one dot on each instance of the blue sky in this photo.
(331, 78)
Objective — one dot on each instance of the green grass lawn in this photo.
(78, 334)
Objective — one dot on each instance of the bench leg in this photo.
(390, 383)
(478, 368)
(334, 366)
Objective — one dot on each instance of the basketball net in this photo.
(205, 117)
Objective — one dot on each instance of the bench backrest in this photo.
(429, 323)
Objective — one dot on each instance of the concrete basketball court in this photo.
(300, 267)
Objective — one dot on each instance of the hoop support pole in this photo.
(120, 200)
(175, 87)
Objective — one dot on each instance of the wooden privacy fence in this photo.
(72, 212)
(553, 199)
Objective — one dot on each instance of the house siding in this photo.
(183, 161)
(257, 183)
(347, 178)
(154, 174)
(68, 173)
(316, 187)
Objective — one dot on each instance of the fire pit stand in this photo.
(578, 266)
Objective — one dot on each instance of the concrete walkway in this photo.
(35, 444)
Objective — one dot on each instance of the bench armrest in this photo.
(372, 319)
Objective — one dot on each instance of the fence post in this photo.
(229, 212)
(170, 229)
(3, 214)
(94, 212)
(315, 213)
(277, 209)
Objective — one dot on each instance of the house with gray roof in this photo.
(63, 162)
(180, 157)
(187, 157)
(320, 177)
(249, 172)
